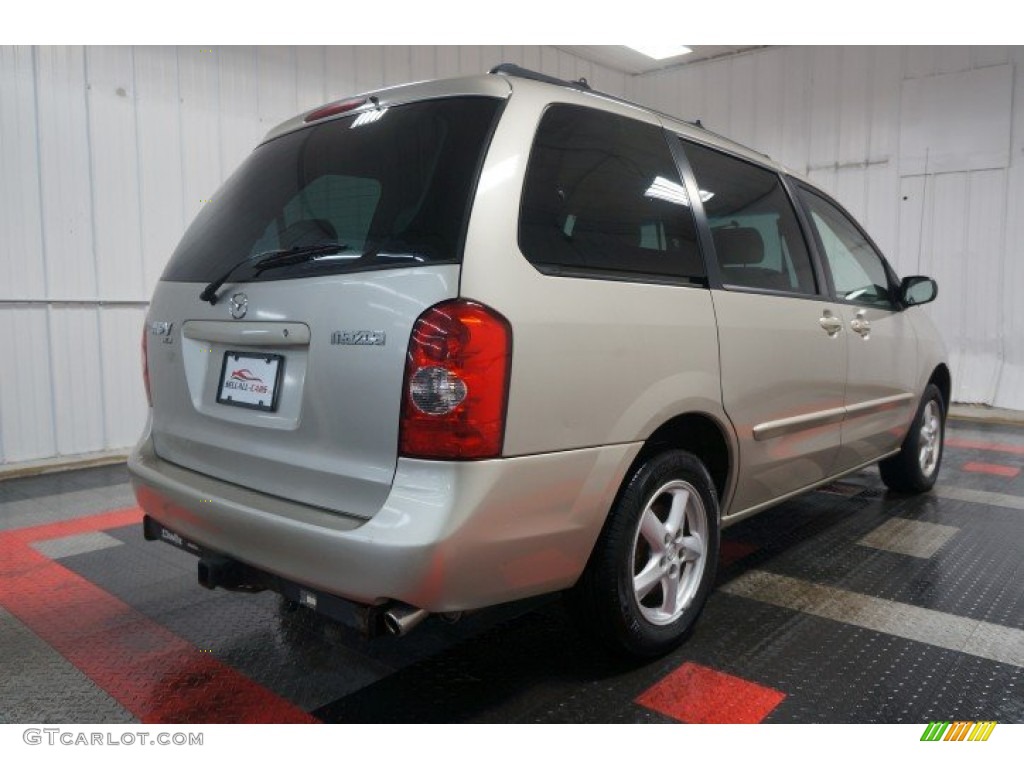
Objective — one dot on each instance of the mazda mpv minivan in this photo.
(457, 343)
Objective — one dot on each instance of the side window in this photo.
(757, 238)
(858, 272)
(602, 194)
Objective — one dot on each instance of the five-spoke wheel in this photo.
(654, 563)
(915, 467)
(668, 552)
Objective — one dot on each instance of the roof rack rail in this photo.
(516, 71)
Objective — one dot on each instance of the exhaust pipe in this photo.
(401, 619)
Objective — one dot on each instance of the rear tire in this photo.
(915, 468)
(654, 564)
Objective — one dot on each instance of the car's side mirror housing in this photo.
(917, 289)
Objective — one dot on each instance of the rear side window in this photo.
(603, 198)
(757, 239)
(394, 191)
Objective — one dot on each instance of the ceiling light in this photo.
(661, 51)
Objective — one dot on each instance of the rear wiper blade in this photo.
(271, 260)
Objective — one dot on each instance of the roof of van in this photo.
(501, 82)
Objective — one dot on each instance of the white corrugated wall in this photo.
(850, 118)
(106, 154)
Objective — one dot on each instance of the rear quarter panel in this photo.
(594, 362)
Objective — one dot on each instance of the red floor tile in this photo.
(698, 694)
(730, 551)
(154, 674)
(982, 445)
(991, 469)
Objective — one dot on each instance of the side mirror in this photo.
(917, 289)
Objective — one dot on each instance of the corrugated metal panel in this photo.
(854, 97)
(65, 173)
(490, 56)
(448, 61)
(795, 127)
(341, 68)
(1010, 392)
(952, 58)
(1010, 388)
(943, 256)
(471, 60)
(768, 87)
(989, 55)
(884, 103)
(369, 67)
(397, 64)
(742, 104)
(851, 188)
(531, 56)
(882, 207)
(198, 94)
(75, 357)
(689, 95)
(884, 203)
(240, 128)
(914, 225)
(310, 83)
(823, 148)
(423, 60)
(159, 148)
(115, 173)
(717, 80)
(124, 399)
(98, 184)
(21, 266)
(26, 397)
(982, 361)
(919, 61)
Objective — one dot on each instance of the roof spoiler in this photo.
(514, 70)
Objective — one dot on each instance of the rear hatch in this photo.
(315, 258)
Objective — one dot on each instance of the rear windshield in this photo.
(391, 187)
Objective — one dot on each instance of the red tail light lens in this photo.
(456, 383)
(145, 365)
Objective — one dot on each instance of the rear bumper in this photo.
(451, 536)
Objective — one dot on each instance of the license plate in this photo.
(250, 381)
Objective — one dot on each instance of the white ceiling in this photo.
(631, 62)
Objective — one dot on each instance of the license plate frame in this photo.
(243, 387)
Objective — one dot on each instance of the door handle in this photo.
(832, 324)
(860, 325)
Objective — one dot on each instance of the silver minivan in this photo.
(458, 343)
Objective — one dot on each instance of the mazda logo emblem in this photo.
(239, 305)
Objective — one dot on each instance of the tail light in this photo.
(456, 383)
(145, 366)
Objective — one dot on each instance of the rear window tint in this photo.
(603, 197)
(758, 242)
(395, 191)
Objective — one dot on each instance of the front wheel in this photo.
(915, 468)
(654, 563)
